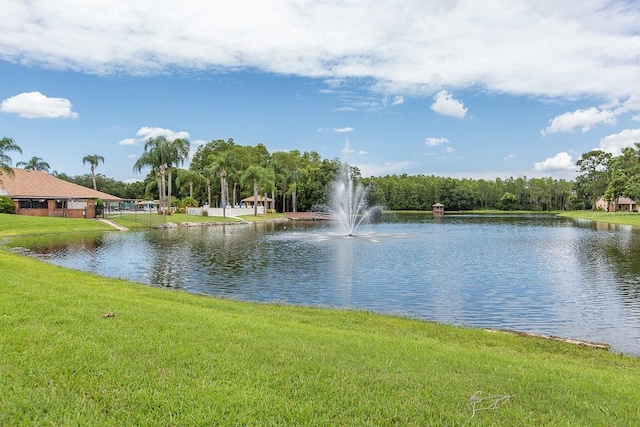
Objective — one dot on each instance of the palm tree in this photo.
(161, 155)
(252, 176)
(188, 176)
(268, 184)
(235, 176)
(295, 176)
(153, 158)
(93, 160)
(209, 174)
(224, 164)
(35, 164)
(177, 152)
(7, 144)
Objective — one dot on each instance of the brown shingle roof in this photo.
(36, 184)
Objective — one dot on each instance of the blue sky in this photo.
(487, 89)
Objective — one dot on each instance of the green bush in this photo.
(189, 202)
(6, 205)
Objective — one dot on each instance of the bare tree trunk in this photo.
(169, 189)
(273, 200)
(93, 175)
(255, 197)
(223, 194)
(160, 189)
(235, 200)
(293, 197)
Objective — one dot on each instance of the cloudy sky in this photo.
(454, 88)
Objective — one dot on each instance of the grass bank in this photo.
(626, 218)
(262, 217)
(79, 349)
(17, 225)
(142, 220)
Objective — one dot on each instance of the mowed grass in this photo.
(79, 349)
(142, 220)
(627, 218)
(262, 217)
(18, 225)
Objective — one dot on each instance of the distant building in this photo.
(621, 204)
(36, 193)
(438, 209)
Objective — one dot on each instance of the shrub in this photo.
(205, 212)
(6, 205)
(189, 202)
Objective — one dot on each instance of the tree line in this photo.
(222, 173)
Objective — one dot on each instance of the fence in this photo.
(145, 218)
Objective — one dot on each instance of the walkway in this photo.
(112, 224)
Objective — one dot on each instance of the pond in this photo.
(533, 273)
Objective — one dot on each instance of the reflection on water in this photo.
(532, 273)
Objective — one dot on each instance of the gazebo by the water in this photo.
(438, 209)
(249, 201)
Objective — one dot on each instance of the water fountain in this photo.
(348, 203)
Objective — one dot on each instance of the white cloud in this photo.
(615, 143)
(362, 153)
(434, 142)
(387, 168)
(510, 156)
(446, 105)
(128, 141)
(559, 162)
(632, 103)
(583, 119)
(398, 100)
(636, 118)
(450, 150)
(418, 48)
(343, 130)
(144, 133)
(34, 105)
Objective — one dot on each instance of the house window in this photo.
(33, 204)
(61, 204)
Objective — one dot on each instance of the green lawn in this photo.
(262, 217)
(79, 349)
(18, 225)
(141, 220)
(628, 218)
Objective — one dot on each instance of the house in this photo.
(621, 204)
(147, 205)
(37, 193)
